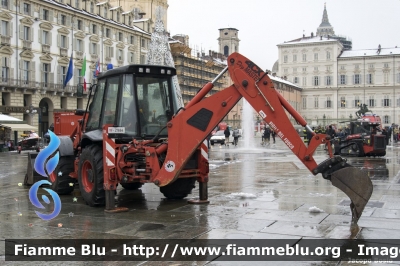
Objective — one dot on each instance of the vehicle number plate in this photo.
(116, 130)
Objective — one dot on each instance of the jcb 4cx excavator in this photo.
(133, 133)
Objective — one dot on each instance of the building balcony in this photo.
(120, 62)
(63, 52)
(27, 45)
(36, 86)
(5, 40)
(45, 48)
(107, 60)
(78, 54)
(94, 56)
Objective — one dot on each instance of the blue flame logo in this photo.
(46, 153)
(35, 201)
(51, 165)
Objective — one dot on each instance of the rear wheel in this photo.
(132, 186)
(90, 175)
(60, 179)
(179, 189)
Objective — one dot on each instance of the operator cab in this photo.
(139, 98)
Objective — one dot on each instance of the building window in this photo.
(304, 81)
(315, 57)
(25, 72)
(132, 39)
(105, 11)
(45, 37)
(109, 51)
(328, 102)
(79, 24)
(342, 102)
(316, 102)
(386, 65)
(45, 13)
(295, 80)
(79, 45)
(304, 99)
(295, 58)
(315, 68)
(5, 70)
(386, 77)
(94, 28)
(4, 3)
(342, 79)
(328, 80)
(304, 69)
(77, 3)
(63, 74)
(357, 79)
(26, 33)
(357, 101)
(131, 57)
(371, 66)
(46, 74)
(369, 79)
(142, 59)
(144, 43)
(285, 70)
(304, 57)
(93, 47)
(120, 36)
(357, 67)
(117, 16)
(4, 28)
(342, 67)
(328, 68)
(371, 101)
(398, 77)
(120, 54)
(27, 9)
(285, 59)
(63, 41)
(63, 20)
(91, 7)
(328, 55)
(386, 119)
(108, 33)
(386, 101)
(316, 81)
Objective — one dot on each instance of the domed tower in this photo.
(325, 28)
(228, 41)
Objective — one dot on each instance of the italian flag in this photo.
(83, 72)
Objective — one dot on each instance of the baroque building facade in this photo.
(38, 40)
(337, 80)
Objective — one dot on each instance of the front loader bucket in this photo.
(356, 185)
(32, 176)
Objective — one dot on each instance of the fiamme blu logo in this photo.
(45, 164)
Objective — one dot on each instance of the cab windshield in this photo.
(146, 105)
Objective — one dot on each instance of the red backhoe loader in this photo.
(133, 133)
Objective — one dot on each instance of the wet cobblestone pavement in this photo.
(262, 193)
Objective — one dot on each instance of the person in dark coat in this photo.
(227, 133)
(267, 135)
(309, 136)
(273, 134)
(385, 133)
(331, 133)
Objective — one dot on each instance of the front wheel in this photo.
(90, 175)
(60, 180)
(179, 189)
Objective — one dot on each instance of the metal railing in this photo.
(35, 85)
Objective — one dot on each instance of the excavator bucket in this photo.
(356, 185)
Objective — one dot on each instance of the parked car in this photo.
(219, 137)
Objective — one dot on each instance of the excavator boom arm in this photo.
(191, 126)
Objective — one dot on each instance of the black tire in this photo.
(90, 175)
(62, 183)
(212, 143)
(132, 186)
(179, 189)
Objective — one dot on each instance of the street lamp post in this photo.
(31, 111)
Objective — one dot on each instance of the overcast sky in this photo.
(263, 24)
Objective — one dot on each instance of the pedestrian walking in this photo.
(266, 136)
(235, 135)
(273, 134)
(227, 133)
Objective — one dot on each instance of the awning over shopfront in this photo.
(19, 127)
